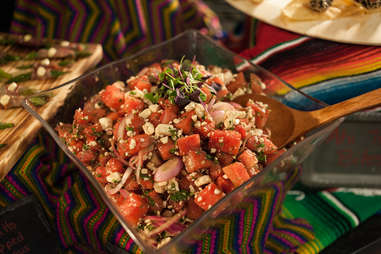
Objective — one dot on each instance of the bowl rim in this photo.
(135, 236)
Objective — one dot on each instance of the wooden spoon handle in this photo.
(333, 112)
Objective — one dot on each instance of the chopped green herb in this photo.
(85, 147)
(6, 125)
(209, 157)
(172, 150)
(3, 145)
(153, 97)
(96, 133)
(20, 78)
(128, 128)
(261, 156)
(220, 125)
(179, 196)
(261, 145)
(151, 202)
(202, 96)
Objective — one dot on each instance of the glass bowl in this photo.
(189, 44)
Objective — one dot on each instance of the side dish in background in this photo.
(169, 143)
(328, 9)
(25, 58)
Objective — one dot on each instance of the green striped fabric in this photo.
(331, 213)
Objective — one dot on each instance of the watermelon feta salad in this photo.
(168, 143)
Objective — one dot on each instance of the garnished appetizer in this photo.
(329, 9)
(169, 143)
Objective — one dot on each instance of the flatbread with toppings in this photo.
(303, 10)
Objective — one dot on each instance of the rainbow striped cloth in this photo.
(331, 72)
(281, 219)
(121, 26)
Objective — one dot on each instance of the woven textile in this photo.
(122, 27)
(330, 72)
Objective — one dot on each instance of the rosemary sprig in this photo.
(38, 100)
(8, 58)
(25, 66)
(65, 62)
(56, 73)
(31, 56)
(4, 74)
(4, 126)
(82, 54)
(20, 78)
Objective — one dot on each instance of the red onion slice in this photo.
(224, 106)
(167, 224)
(125, 176)
(168, 169)
(113, 149)
(173, 229)
(218, 116)
(121, 129)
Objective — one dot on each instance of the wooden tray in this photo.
(26, 127)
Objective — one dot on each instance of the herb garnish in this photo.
(153, 97)
(179, 196)
(261, 156)
(2, 145)
(180, 84)
(151, 202)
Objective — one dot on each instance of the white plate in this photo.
(361, 29)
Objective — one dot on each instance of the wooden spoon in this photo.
(287, 124)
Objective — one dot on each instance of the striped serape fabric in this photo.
(122, 27)
(331, 72)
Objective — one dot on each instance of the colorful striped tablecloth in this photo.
(281, 220)
(331, 72)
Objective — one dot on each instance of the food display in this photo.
(24, 59)
(170, 142)
(29, 65)
(304, 10)
(328, 9)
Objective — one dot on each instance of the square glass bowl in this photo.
(207, 52)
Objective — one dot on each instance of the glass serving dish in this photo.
(207, 52)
